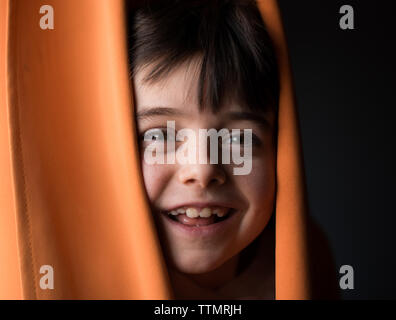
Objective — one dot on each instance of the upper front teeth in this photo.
(203, 213)
(192, 213)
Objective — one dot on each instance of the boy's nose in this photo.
(202, 175)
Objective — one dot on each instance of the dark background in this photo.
(344, 81)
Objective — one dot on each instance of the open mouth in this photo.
(197, 217)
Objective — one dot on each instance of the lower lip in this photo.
(201, 231)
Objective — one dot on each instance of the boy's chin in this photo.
(196, 265)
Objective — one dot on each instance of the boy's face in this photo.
(245, 200)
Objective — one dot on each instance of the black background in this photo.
(344, 81)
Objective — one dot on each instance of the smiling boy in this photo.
(206, 65)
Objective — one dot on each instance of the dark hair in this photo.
(229, 36)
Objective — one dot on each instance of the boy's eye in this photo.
(240, 138)
(156, 135)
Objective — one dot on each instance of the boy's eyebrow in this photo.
(243, 115)
(149, 112)
(157, 111)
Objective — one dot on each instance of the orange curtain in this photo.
(71, 193)
(291, 255)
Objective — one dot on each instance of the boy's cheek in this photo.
(261, 179)
(259, 189)
(156, 178)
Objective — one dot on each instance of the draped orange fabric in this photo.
(71, 193)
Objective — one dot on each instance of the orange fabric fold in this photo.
(291, 255)
(80, 205)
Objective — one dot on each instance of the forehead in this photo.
(179, 89)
